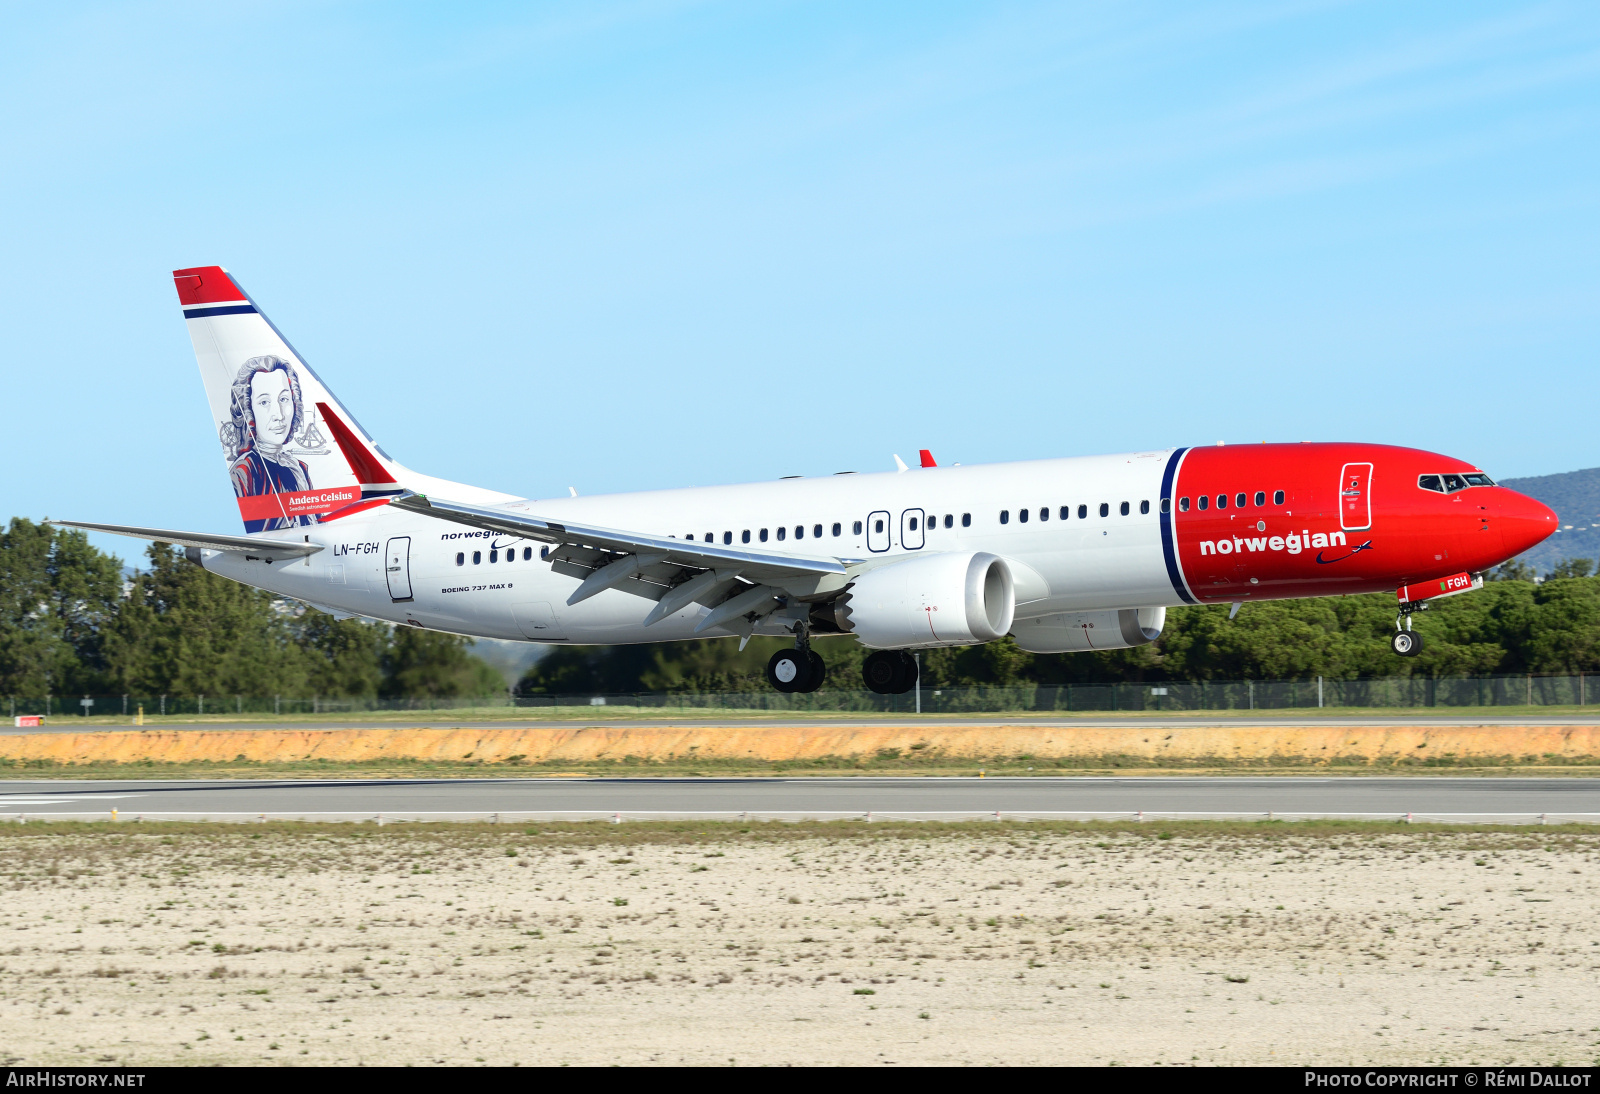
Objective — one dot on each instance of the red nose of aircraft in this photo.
(1524, 521)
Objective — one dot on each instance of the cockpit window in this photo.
(1449, 484)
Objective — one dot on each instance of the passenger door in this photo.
(911, 533)
(1355, 497)
(397, 567)
(878, 531)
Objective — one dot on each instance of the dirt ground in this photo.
(798, 944)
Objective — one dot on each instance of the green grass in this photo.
(533, 716)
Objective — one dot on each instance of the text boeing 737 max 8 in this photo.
(1064, 555)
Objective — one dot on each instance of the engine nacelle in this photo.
(1078, 632)
(943, 599)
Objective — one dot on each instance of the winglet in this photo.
(927, 458)
(899, 464)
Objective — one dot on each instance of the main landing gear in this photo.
(890, 672)
(800, 669)
(1407, 642)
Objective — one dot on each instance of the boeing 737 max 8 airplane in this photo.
(1064, 555)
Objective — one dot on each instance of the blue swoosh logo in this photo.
(1356, 550)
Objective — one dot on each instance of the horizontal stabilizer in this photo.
(251, 545)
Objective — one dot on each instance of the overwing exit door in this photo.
(397, 567)
(911, 532)
(878, 532)
(1355, 497)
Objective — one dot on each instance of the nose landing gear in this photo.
(1407, 642)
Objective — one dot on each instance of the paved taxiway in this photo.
(1428, 718)
(1519, 799)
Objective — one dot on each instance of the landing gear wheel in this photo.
(890, 672)
(1406, 643)
(819, 671)
(790, 670)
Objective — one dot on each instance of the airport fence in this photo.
(1378, 692)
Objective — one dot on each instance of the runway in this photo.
(1512, 800)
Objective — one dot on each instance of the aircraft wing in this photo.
(268, 549)
(645, 565)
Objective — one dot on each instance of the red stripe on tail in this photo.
(369, 470)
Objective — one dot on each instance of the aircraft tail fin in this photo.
(295, 455)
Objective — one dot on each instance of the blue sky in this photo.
(634, 245)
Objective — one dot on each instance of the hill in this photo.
(1575, 496)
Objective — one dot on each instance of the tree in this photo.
(187, 631)
(1571, 567)
(345, 657)
(57, 595)
(421, 663)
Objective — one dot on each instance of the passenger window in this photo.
(1066, 512)
(1183, 505)
(744, 536)
(763, 534)
(544, 552)
(949, 521)
(877, 527)
(461, 558)
(494, 556)
(477, 557)
(1261, 498)
(727, 539)
(1022, 516)
(1005, 516)
(1479, 480)
(782, 534)
(1431, 482)
(1277, 497)
(527, 553)
(1239, 500)
(855, 529)
(816, 531)
(1044, 512)
(912, 524)
(1105, 509)
(1144, 507)
(799, 531)
(966, 520)
(1222, 501)
(1124, 509)
(837, 529)
(1205, 502)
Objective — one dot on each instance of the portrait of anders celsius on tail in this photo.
(273, 416)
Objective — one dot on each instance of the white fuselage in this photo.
(1082, 563)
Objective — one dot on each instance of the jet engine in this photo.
(943, 599)
(1078, 632)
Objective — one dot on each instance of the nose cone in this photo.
(1524, 521)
